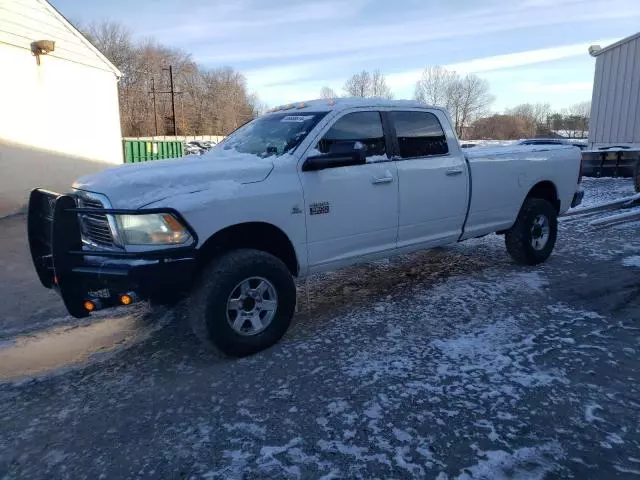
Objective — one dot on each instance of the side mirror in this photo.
(338, 157)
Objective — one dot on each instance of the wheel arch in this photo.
(545, 190)
(256, 235)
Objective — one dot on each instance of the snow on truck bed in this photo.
(494, 150)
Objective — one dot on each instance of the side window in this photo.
(363, 127)
(419, 134)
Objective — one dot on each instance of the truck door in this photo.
(351, 211)
(433, 179)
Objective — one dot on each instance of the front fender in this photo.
(279, 203)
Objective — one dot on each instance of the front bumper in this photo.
(577, 198)
(101, 276)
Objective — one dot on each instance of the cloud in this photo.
(244, 19)
(499, 62)
(568, 87)
(304, 80)
(325, 31)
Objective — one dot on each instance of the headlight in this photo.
(152, 229)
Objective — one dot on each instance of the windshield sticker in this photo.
(296, 118)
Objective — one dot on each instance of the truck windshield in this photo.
(273, 134)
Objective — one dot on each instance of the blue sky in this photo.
(529, 50)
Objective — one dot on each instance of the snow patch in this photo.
(527, 462)
(374, 411)
(622, 469)
(599, 191)
(589, 413)
(401, 435)
(633, 261)
(272, 451)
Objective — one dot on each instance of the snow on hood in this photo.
(139, 184)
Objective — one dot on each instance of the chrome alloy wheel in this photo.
(252, 306)
(540, 232)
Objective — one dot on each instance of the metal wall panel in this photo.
(615, 104)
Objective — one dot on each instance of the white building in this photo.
(59, 114)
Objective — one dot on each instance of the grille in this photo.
(95, 226)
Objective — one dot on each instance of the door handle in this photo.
(381, 180)
(454, 171)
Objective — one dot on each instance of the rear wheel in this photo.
(244, 302)
(636, 175)
(531, 239)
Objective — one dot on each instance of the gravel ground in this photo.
(452, 363)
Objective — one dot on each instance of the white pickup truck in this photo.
(305, 188)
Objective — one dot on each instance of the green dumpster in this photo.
(144, 150)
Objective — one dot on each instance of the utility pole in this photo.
(173, 99)
(173, 94)
(153, 95)
(173, 102)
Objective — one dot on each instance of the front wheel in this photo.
(531, 239)
(244, 302)
(636, 176)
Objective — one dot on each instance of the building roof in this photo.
(54, 11)
(596, 52)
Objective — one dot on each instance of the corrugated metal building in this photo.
(59, 115)
(615, 105)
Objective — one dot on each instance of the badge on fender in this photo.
(320, 208)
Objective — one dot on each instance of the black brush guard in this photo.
(79, 274)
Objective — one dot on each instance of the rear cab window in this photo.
(419, 134)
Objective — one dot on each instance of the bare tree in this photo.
(359, 85)
(213, 102)
(328, 93)
(499, 127)
(435, 86)
(526, 113)
(366, 84)
(114, 42)
(582, 109)
(466, 98)
(472, 100)
(541, 112)
(379, 87)
(536, 117)
(580, 114)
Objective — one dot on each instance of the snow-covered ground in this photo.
(452, 363)
(602, 190)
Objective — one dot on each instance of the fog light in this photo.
(89, 306)
(126, 300)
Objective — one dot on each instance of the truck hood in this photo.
(136, 185)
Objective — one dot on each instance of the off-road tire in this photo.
(636, 175)
(518, 238)
(206, 306)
